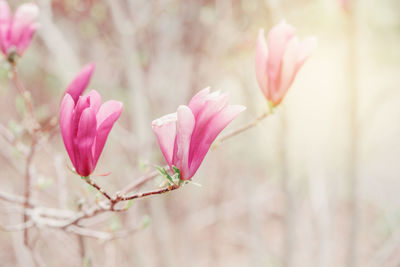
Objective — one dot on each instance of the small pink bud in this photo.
(279, 59)
(16, 31)
(186, 136)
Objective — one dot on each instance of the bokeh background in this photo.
(315, 184)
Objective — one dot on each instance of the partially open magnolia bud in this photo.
(279, 59)
(186, 136)
(16, 31)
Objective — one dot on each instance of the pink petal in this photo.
(185, 127)
(84, 142)
(66, 114)
(212, 106)
(210, 109)
(23, 18)
(109, 108)
(5, 13)
(5, 21)
(261, 63)
(197, 101)
(210, 133)
(82, 104)
(26, 38)
(95, 100)
(288, 71)
(295, 55)
(278, 38)
(165, 130)
(80, 82)
(107, 115)
(307, 47)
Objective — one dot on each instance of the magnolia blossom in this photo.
(345, 4)
(16, 31)
(85, 123)
(278, 60)
(186, 136)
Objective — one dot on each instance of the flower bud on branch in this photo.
(16, 31)
(186, 136)
(279, 59)
(85, 123)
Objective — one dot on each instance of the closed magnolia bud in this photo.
(16, 31)
(85, 123)
(279, 59)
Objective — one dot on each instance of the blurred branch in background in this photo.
(133, 72)
(289, 218)
(353, 163)
(66, 60)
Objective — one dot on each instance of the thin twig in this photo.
(99, 188)
(21, 89)
(17, 227)
(91, 212)
(102, 235)
(28, 181)
(239, 130)
(155, 192)
(140, 181)
(7, 135)
(353, 236)
(12, 198)
(12, 140)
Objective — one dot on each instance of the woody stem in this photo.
(155, 192)
(22, 91)
(97, 187)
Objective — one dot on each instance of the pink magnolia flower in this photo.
(345, 4)
(16, 31)
(186, 136)
(85, 125)
(81, 81)
(279, 59)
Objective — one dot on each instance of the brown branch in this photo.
(100, 208)
(32, 129)
(145, 194)
(89, 181)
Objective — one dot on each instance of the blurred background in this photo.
(315, 184)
